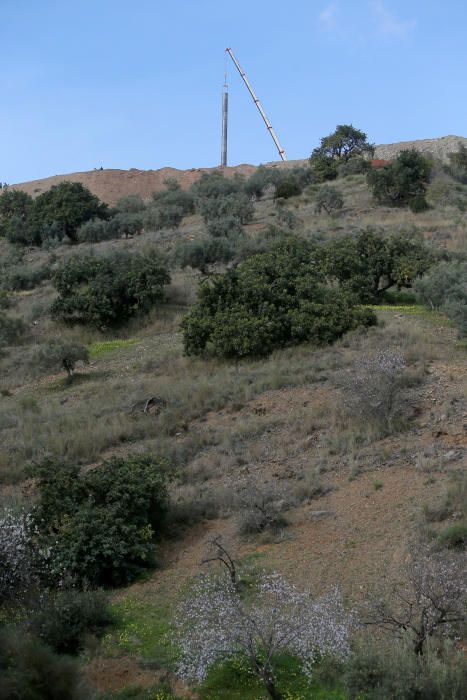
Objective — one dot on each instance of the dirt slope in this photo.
(110, 185)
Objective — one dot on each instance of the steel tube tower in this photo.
(225, 117)
(258, 105)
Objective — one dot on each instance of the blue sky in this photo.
(137, 83)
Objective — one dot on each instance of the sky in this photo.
(122, 84)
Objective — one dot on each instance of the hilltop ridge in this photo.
(111, 184)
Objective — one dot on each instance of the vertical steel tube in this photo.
(225, 117)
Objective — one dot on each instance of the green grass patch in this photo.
(142, 629)
(234, 680)
(102, 348)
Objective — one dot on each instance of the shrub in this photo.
(287, 188)
(65, 619)
(214, 184)
(324, 168)
(328, 198)
(354, 166)
(130, 204)
(445, 288)
(65, 206)
(379, 673)
(403, 181)
(29, 669)
(225, 227)
(458, 164)
(163, 216)
(60, 354)
(367, 264)
(15, 207)
(203, 253)
(454, 536)
(21, 277)
(270, 300)
(372, 389)
(101, 524)
(12, 330)
(237, 206)
(125, 224)
(260, 510)
(94, 231)
(107, 291)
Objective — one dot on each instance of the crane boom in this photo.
(258, 105)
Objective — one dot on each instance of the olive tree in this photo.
(61, 354)
(330, 199)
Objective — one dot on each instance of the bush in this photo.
(214, 184)
(130, 204)
(12, 330)
(396, 672)
(260, 510)
(237, 206)
(65, 207)
(125, 224)
(354, 166)
(107, 291)
(203, 253)
(15, 207)
(159, 217)
(445, 289)
(402, 182)
(368, 264)
(31, 671)
(458, 164)
(66, 619)
(94, 231)
(324, 168)
(270, 300)
(21, 277)
(454, 536)
(101, 524)
(287, 188)
(372, 389)
(60, 354)
(330, 199)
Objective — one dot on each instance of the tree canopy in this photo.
(270, 300)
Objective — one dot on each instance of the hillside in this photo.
(351, 496)
(110, 185)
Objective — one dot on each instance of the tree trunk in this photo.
(270, 687)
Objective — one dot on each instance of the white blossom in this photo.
(218, 621)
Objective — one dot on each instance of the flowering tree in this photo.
(216, 622)
(16, 567)
(430, 598)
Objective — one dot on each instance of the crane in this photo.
(260, 109)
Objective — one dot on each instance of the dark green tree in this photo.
(368, 264)
(344, 143)
(65, 207)
(14, 204)
(268, 301)
(107, 291)
(100, 526)
(403, 181)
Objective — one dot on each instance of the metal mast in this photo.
(258, 104)
(225, 112)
